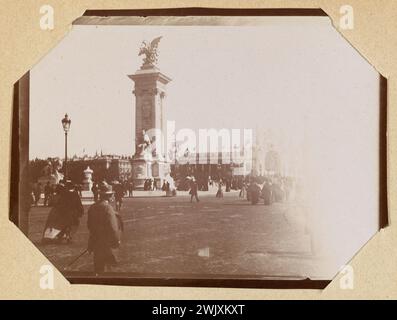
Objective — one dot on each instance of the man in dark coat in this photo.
(104, 228)
(219, 193)
(193, 190)
(69, 210)
(118, 194)
(267, 193)
(254, 191)
(130, 188)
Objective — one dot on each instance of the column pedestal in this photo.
(149, 91)
(141, 170)
(160, 169)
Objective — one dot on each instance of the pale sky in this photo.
(274, 76)
(231, 77)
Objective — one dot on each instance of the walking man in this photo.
(118, 195)
(130, 188)
(193, 190)
(254, 191)
(105, 228)
(267, 193)
(219, 193)
(243, 190)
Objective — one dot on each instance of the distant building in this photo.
(261, 160)
(105, 167)
(216, 165)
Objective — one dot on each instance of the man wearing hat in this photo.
(193, 190)
(104, 228)
(118, 194)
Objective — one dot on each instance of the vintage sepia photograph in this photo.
(205, 149)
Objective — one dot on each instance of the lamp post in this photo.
(66, 126)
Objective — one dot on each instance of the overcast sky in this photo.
(222, 77)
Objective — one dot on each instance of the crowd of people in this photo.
(205, 182)
(67, 209)
(271, 188)
(103, 222)
(51, 193)
(124, 188)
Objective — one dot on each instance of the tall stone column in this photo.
(150, 88)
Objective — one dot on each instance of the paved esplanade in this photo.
(226, 236)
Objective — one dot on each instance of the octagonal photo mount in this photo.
(242, 148)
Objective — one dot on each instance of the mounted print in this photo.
(200, 150)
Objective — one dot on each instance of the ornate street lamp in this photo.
(66, 126)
